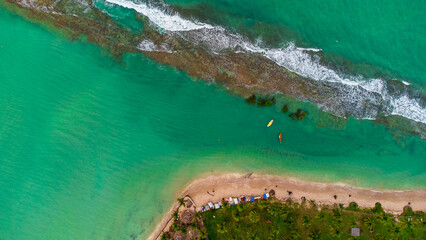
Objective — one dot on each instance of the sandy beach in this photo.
(216, 187)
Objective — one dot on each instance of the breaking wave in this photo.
(302, 61)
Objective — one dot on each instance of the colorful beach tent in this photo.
(252, 198)
(211, 205)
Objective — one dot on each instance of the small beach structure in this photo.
(243, 199)
(216, 206)
(187, 216)
(236, 200)
(220, 203)
(355, 232)
(265, 196)
(211, 205)
(179, 236)
(231, 201)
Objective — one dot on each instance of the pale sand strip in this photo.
(236, 185)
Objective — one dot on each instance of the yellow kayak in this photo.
(270, 123)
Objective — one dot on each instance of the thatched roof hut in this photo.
(187, 217)
(179, 236)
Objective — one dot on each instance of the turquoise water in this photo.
(378, 37)
(92, 148)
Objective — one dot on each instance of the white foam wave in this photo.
(149, 46)
(295, 59)
(310, 49)
(160, 18)
(405, 106)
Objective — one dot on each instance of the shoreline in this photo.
(217, 186)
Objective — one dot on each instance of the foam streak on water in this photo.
(160, 18)
(293, 58)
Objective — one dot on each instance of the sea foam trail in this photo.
(160, 18)
(293, 58)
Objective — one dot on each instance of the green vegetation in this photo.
(285, 109)
(186, 224)
(251, 100)
(270, 101)
(261, 102)
(299, 115)
(273, 219)
(181, 201)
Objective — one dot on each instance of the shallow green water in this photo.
(94, 149)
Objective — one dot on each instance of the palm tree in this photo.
(394, 229)
(271, 211)
(306, 221)
(369, 223)
(221, 228)
(314, 235)
(202, 234)
(276, 230)
(163, 236)
(181, 201)
(175, 214)
(194, 224)
(175, 226)
(321, 215)
(236, 216)
(184, 231)
(254, 217)
(295, 235)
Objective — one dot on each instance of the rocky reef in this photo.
(242, 72)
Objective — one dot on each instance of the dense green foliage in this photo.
(272, 219)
